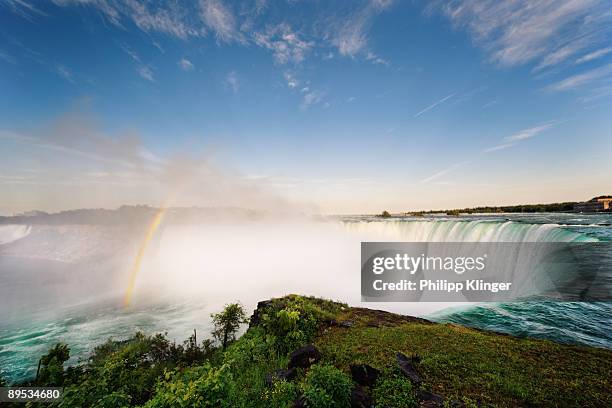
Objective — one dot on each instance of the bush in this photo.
(282, 395)
(205, 386)
(52, 365)
(327, 387)
(394, 392)
(292, 321)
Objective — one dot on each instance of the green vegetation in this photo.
(327, 387)
(475, 367)
(385, 214)
(523, 208)
(227, 323)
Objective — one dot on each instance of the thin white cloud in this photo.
(146, 73)
(578, 80)
(291, 80)
(185, 64)
(434, 105)
(594, 55)
(522, 31)
(233, 81)
(220, 19)
(514, 139)
(311, 98)
(441, 173)
(349, 33)
(171, 20)
(131, 53)
(64, 72)
(23, 8)
(284, 43)
(498, 147)
(8, 58)
(529, 133)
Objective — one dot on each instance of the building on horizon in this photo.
(596, 204)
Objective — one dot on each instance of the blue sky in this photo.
(337, 106)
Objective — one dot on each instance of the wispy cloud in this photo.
(514, 139)
(64, 72)
(8, 58)
(443, 172)
(146, 72)
(433, 105)
(578, 80)
(284, 43)
(219, 18)
(349, 33)
(185, 64)
(232, 80)
(522, 31)
(131, 53)
(23, 8)
(594, 55)
(291, 80)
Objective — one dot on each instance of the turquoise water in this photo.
(30, 324)
(587, 323)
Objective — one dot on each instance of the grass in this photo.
(474, 365)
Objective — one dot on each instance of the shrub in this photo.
(282, 395)
(326, 386)
(292, 321)
(205, 386)
(394, 392)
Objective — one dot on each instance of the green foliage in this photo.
(293, 320)
(385, 214)
(124, 373)
(205, 386)
(327, 387)
(282, 394)
(52, 365)
(394, 391)
(227, 323)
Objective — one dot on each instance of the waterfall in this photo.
(462, 231)
(13, 232)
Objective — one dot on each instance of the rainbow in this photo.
(157, 219)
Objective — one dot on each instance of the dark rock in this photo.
(304, 357)
(280, 375)
(428, 399)
(407, 368)
(364, 374)
(360, 398)
(300, 402)
(257, 313)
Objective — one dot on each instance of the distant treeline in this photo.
(128, 214)
(523, 208)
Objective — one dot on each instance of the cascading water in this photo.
(567, 322)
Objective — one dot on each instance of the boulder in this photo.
(304, 357)
(360, 398)
(407, 368)
(364, 374)
(280, 375)
(428, 399)
(256, 317)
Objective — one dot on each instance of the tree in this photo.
(385, 214)
(52, 365)
(228, 322)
